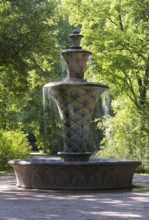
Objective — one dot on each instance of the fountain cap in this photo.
(75, 31)
(75, 38)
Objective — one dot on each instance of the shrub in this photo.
(126, 135)
(13, 145)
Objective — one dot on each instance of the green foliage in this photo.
(27, 34)
(31, 36)
(117, 34)
(13, 145)
(126, 134)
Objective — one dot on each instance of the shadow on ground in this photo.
(22, 204)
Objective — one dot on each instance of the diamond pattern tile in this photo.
(76, 105)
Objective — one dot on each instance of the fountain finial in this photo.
(75, 57)
(75, 31)
(75, 39)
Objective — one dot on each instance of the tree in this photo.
(32, 34)
(117, 34)
(27, 34)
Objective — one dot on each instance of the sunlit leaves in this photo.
(116, 31)
(13, 144)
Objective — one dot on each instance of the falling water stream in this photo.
(106, 103)
(63, 67)
(50, 114)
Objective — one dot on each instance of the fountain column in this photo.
(76, 100)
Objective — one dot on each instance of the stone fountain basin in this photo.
(53, 173)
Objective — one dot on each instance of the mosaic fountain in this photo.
(76, 99)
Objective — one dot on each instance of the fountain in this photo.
(76, 99)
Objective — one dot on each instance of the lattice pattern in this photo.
(76, 105)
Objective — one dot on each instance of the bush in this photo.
(126, 135)
(13, 145)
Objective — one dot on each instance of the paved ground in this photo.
(23, 204)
